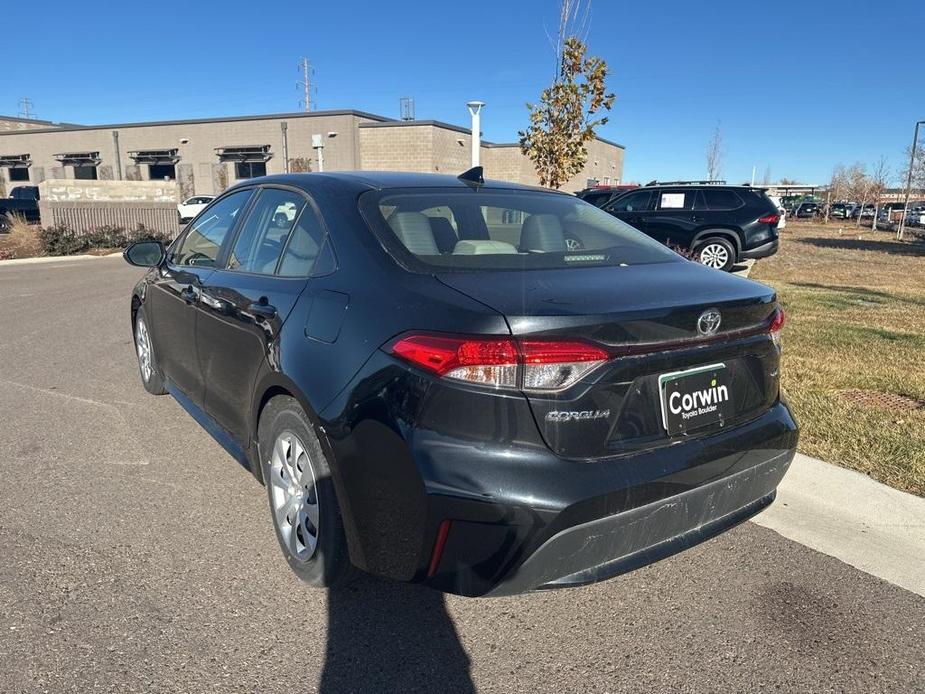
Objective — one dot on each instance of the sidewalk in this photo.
(847, 515)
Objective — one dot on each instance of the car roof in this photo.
(378, 180)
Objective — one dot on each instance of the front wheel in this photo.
(717, 253)
(303, 504)
(151, 377)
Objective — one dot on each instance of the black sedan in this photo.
(436, 384)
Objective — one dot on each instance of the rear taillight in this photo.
(769, 219)
(502, 362)
(776, 327)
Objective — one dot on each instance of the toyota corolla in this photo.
(483, 387)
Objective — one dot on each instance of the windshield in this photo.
(503, 230)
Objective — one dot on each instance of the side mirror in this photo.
(144, 253)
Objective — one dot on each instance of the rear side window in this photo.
(309, 250)
(504, 230)
(676, 199)
(721, 199)
(266, 231)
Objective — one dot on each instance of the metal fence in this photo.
(84, 216)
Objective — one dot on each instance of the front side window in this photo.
(203, 241)
(632, 202)
(505, 230)
(266, 231)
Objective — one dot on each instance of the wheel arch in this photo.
(722, 232)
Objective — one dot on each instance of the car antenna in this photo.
(473, 175)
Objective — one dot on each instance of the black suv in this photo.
(718, 223)
(434, 387)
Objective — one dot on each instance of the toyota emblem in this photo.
(709, 321)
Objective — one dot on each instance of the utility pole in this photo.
(912, 157)
(305, 83)
(25, 108)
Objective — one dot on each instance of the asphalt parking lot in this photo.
(136, 555)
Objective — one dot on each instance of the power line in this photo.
(25, 108)
(306, 66)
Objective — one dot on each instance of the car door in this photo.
(246, 303)
(676, 217)
(633, 208)
(172, 302)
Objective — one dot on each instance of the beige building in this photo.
(205, 156)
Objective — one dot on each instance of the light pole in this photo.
(915, 144)
(475, 109)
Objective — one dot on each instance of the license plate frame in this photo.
(712, 405)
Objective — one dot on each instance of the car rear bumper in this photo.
(763, 251)
(521, 520)
(613, 545)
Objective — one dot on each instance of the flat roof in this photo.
(195, 121)
(459, 129)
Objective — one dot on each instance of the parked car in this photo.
(844, 210)
(435, 389)
(599, 195)
(806, 210)
(24, 202)
(782, 224)
(190, 207)
(719, 224)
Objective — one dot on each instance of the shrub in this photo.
(62, 240)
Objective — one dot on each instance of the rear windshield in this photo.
(503, 230)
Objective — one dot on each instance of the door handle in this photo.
(190, 294)
(263, 309)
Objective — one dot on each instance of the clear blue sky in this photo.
(796, 86)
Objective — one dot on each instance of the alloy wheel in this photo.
(294, 495)
(714, 255)
(143, 347)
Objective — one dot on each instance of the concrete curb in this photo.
(54, 259)
(849, 516)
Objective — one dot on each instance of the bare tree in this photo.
(767, 175)
(715, 155)
(574, 22)
(836, 189)
(858, 186)
(879, 177)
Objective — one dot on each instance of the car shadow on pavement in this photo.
(385, 636)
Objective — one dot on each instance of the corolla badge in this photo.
(709, 321)
(576, 416)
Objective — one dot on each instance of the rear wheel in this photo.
(151, 377)
(716, 252)
(303, 504)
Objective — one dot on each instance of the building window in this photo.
(85, 172)
(162, 163)
(249, 161)
(158, 172)
(83, 163)
(17, 165)
(250, 169)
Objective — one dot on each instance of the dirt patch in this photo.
(884, 401)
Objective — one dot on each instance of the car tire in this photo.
(151, 377)
(304, 508)
(716, 252)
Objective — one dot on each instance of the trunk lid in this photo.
(647, 316)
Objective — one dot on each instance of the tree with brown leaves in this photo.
(564, 119)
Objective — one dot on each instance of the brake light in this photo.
(769, 219)
(502, 362)
(777, 325)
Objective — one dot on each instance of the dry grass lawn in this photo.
(22, 241)
(856, 322)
